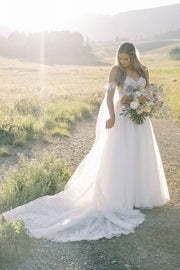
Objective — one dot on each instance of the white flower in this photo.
(149, 103)
(134, 105)
(137, 93)
(142, 91)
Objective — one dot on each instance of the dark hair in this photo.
(130, 49)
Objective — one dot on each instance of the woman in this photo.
(122, 171)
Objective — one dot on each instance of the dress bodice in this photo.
(129, 81)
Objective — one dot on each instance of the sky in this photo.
(37, 15)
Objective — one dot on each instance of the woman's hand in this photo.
(110, 122)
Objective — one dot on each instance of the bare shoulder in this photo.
(114, 68)
(113, 73)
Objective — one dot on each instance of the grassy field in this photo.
(39, 101)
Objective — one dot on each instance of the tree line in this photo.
(55, 47)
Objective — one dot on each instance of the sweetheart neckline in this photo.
(133, 78)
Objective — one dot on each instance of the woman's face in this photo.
(124, 59)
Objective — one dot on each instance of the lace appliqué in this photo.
(110, 86)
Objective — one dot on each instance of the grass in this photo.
(4, 152)
(15, 241)
(32, 180)
(167, 71)
(46, 100)
(56, 118)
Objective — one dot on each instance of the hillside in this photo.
(154, 23)
(136, 24)
(169, 35)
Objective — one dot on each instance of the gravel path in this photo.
(155, 243)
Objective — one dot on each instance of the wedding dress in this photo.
(122, 171)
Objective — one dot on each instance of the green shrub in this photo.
(32, 180)
(11, 129)
(15, 241)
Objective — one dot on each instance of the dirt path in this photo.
(155, 243)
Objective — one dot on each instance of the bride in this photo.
(122, 171)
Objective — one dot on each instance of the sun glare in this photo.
(36, 15)
(39, 15)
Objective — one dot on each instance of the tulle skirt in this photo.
(122, 171)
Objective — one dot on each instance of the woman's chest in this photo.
(130, 82)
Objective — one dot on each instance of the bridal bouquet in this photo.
(139, 103)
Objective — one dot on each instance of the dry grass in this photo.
(37, 100)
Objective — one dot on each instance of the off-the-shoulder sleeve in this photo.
(110, 86)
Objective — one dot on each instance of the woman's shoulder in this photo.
(113, 73)
(114, 69)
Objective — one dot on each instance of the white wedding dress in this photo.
(123, 170)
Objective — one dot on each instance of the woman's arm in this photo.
(110, 94)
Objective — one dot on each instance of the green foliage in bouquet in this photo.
(134, 117)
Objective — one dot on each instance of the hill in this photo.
(136, 24)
